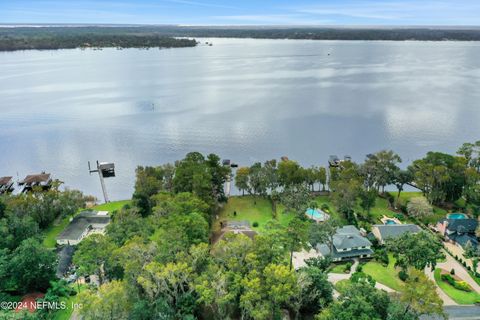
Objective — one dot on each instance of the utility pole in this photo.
(105, 170)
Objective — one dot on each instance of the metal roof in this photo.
(396, 230)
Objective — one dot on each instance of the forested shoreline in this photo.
(158, 259)
(68, 37)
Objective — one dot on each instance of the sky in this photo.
(244, 12)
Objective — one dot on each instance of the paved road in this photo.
(458, 313)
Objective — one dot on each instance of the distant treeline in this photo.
(70, 38)
(63, 37)
(324, 33)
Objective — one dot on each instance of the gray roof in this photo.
(464, 239)
(349, 237)
(462, 225)
(346, 241)
(348, 230)
(396, 230)
(325, 251)
(80, 223)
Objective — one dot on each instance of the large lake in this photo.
(246, 100)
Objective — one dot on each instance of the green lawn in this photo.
(385, 275)
(342, 285)
(261, 212)
(459, 296)
(54, 230)
(338, 268)
(332, 212)
(112, 206)
(381, 208)
(438, 213)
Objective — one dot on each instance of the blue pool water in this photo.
(456, 216)
(390, 222)
(316, 214)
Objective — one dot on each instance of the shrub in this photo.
(400, 216)
(448, 278)
(255, 224)
(381, 256)
(325, 207)
(462, 285)
(452, 272)
(348, 266)
(419, 208)
(360, 267)
(403, 275)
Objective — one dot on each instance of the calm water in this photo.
(246, 100)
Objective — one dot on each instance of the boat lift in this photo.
(105, 170)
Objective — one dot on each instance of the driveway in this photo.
(447, 301)
(460, 271)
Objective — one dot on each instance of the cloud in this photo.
(280, 19)
(398, 12)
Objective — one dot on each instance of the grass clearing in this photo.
(338, 268)
(112, 206)
(459, 296)
(253, 210)
(342, 286)
(385, 275)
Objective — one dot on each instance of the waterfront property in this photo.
(42, 180)
(391, 231)
(6, 184)
(82, 225)
(348, 243)
(459, 230)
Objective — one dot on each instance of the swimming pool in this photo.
(317, 214)
(390, 222)
(456, 216)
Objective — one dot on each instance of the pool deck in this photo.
(385, 220)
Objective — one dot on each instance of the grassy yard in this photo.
(342, 285)
(320, 200)
(338, 268)
(381, 208)
(385, 275)
(54, 230)
(459, 296)
(112, 206)
(261, 212)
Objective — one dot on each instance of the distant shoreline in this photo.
(13, 38)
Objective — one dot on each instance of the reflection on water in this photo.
(247, 100)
